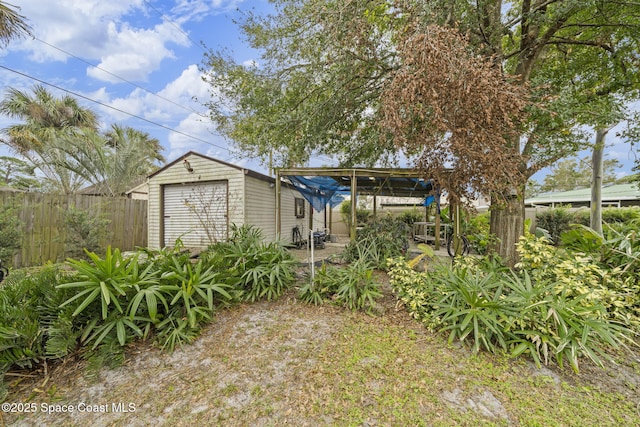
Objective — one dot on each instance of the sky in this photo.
(136, 63)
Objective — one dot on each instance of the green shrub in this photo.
(255, 269)
(84, 231)
(125, 298)
(10, 234)
(352, 287)
(103, 288)
(581, 238)
(477, 231)
(609, 215)
(362, 214)
(556, 221)
(411, 216)
(556, 307)
(33, 326)
(585, 276)
(558, 324)
(379, 241)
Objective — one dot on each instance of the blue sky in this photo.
(141, 57)
(150, 50)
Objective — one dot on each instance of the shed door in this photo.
(196, 213)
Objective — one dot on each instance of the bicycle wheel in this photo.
(462, 245)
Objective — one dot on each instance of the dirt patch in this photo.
(288, 363)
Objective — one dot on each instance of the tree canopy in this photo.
(12, 24)
(573, 173)
(61, 139)
(334, 78)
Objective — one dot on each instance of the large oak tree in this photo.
(324, 66)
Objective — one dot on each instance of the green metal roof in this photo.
(610, 193)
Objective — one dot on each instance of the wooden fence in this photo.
(45, 232)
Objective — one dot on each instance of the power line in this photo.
(116, 109)
(234, 154)
(120, 78)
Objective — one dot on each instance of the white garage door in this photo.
(196, 213)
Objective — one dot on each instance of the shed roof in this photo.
(245, 171)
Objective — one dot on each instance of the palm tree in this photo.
(12, 24)
(61, 139)
(47, 120)
(115, 161)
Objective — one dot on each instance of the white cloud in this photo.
(133, 54)
(96, 30)
(169, 106)
(197, 10)
(187, 87)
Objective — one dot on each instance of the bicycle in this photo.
(459, 246)
(457, 243)
(3, 272)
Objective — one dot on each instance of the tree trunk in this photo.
(507, 224)
(597, 164)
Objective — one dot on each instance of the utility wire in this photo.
(117, 109)
(120, 78)
(234, 154)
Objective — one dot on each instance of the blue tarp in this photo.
(319, 190)
(322, 190)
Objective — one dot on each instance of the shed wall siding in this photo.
(288, 217)
(260, 206)
(204, 170)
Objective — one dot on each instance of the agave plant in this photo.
(195, 289)
(107, 280)
(105, 286)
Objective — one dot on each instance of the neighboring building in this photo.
(197, 198)
(139, 191)
(620, 195)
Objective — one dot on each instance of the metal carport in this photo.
(364, 181)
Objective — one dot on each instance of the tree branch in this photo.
(559, 41)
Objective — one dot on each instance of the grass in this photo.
(284, 362)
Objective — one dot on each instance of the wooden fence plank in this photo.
(45, 232)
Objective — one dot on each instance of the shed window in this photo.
(299, 207)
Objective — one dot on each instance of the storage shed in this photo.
(197, 198)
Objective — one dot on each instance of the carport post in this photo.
(278, 214)
(436, 242)
(354, 192)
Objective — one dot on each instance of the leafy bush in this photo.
(621, 251)
(352, 287)
(362, 215)
(584, 276)
(84, 231)
(10, 234)
(33, 326)
(609, 215)
(560, 220)
(254, 269)
(558, 325)
(127, 299)
(104, 287)
(379, 241)
(581, 238)
(411, 216)
(555, 308)
(477, 231)
(556, 221)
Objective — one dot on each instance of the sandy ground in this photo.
(274, 363)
